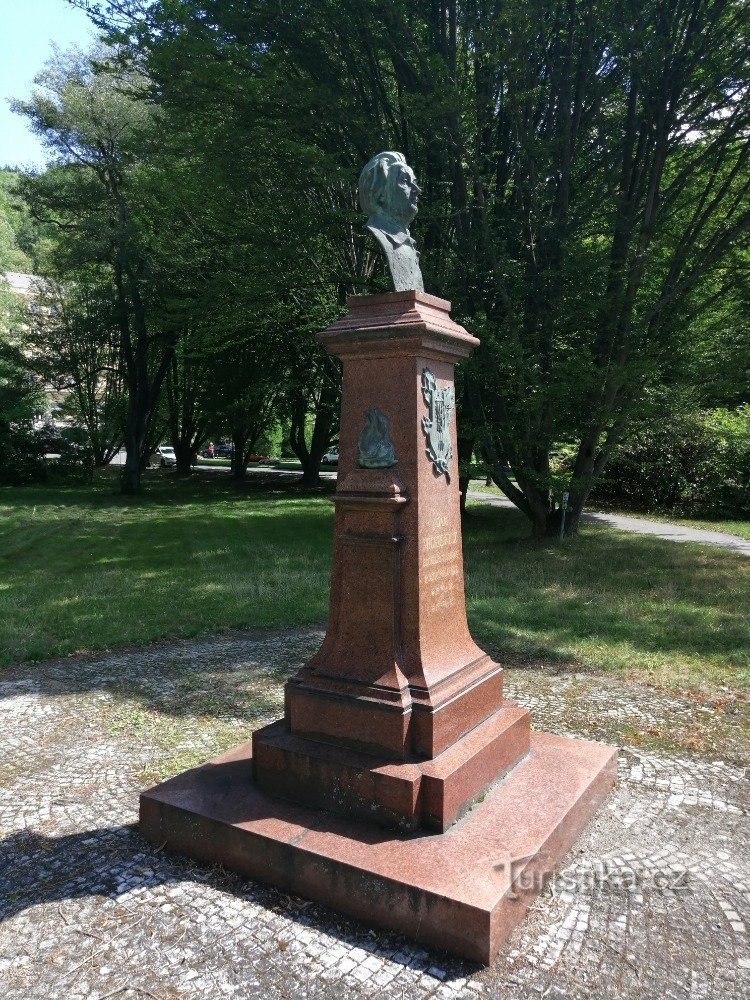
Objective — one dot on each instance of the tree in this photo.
(584, 167)
(314, 393)
(12, 257)
(75, 346)
(95, 118)
(22, 398)
(186, 392)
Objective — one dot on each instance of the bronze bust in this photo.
(388, 192)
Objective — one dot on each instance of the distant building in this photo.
(28, 286)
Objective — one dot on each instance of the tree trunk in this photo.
(310, 458)
(311, 472)
(463, 488)
(187, 424)
(239, 453)
(130, 478)
(184, 453)
(324, 404)
(465, 455)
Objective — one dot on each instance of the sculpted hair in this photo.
(373, 179)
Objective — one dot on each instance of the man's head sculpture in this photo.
(388, 193)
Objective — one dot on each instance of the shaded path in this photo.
(642, 526)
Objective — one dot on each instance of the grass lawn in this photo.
(673, 615)
(741, 528)
(85, 569)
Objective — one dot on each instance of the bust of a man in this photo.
(388, 193)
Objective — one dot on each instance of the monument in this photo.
(401, 786)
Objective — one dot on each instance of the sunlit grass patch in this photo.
(669, 614)
(100, 570)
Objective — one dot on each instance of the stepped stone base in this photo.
(334, 710)
(462, 890)
(400, 795)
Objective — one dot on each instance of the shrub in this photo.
(21, 457)
(695, 464)
(75, 461)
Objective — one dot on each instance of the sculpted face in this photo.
(388, 188)
(389, 195)
(402, 194)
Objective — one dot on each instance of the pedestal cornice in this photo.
(398, 323)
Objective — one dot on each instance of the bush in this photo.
(22, 399)
(695, 464)
(21, 457)
(75, 461)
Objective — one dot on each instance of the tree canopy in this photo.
(586, 203)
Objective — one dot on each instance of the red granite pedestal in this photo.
(400, 787)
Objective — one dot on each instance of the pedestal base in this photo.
(463, 890)
(401, 795)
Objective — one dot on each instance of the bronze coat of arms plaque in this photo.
(436, 425)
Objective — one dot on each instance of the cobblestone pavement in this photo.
(653, 902)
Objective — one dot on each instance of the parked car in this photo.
(259, 458)
(223, 450)
(331, 457)
(164, 457)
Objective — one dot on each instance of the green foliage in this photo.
(584, 171)
(74, 458)
(17, 231)
(94, 115)
(585, 205)
(75, 346)
(21, 457)
(694, 464)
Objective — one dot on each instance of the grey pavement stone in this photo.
(654, 901)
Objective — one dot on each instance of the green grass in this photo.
(85, 569)
(480, 486)
(740, 528)
(674, 615)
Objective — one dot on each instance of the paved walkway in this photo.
(642, 526)
(654, 901)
